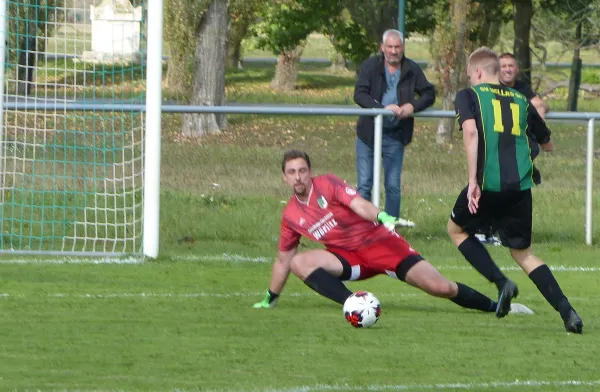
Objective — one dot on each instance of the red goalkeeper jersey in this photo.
(327, 218)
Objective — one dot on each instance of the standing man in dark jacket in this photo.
(390, 81)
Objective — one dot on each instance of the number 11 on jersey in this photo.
(515, 114)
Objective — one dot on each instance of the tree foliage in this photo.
(242, 14)
(485, 19)
(29, 18)
(244, 11)
(350, 39)
(557, 20)
(355, 26)
(376, 16)
(283, 29)
(575, 23)
(182, 23)
(283, 25)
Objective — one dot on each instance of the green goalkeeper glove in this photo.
(269, 301)
(391, 222)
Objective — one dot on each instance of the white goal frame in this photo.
(152, 148)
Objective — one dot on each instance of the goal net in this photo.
(71, 181)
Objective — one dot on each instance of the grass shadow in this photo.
(253, 73)
(324, 81)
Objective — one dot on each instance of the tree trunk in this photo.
(575, 79)
(454, 60)
(27, 60)
(522, 14)
(237, 33)
(209, 73)
(485, 29)
(338, 62)
(537, 42)
(445, 127)
(287, 69)
(179, 70)
(339, 65)
(486, 23)
(461, 9)
(494, 36)
(234, 55)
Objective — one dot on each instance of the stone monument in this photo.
(116, 29)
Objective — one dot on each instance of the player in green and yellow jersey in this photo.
(495, 121)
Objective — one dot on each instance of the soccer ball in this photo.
(362, 309)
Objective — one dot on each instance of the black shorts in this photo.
(509, 213)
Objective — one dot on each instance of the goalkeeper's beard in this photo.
(300, 189)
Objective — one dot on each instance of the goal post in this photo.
(73, 182)
(153, 128)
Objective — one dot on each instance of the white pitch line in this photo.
(241, 294)
(237, 258)
(228, 257)
(408, 387)
(555, 268)
(233, 258)
(418, 387)
(177, 295)
(72, 260)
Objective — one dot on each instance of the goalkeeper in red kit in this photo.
(360, 242)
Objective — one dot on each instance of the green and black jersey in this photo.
(503, 117)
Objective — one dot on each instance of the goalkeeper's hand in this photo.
(391, 222)
(269, 301)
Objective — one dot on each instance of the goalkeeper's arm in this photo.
(364, 208)
(279, 275)
(368, 211)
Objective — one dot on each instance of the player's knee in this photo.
(526, 259)
(521, 255)
(301, 266)
(452, 228)
(455, 232)
(443, 288)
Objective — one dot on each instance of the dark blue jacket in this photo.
(371, 85)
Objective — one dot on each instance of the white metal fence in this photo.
(153, 141)
(378, 114)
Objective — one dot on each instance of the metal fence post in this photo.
(589, 176)
(377, 160)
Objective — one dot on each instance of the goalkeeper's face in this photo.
(298, 176)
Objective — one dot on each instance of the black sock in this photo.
(548, 286)
(480, 259)
(328, 285)
(488, 231)
(472, 299)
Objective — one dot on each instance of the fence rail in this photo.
(56, 105)
(330, 111)
(317, 60)
(590, 117)
(422, 63)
